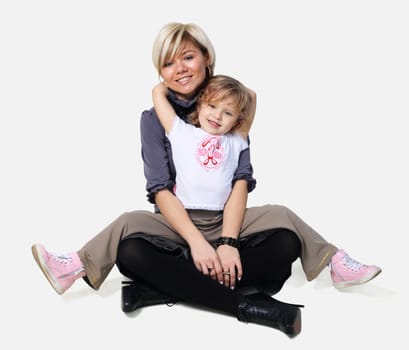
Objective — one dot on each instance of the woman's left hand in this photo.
(231, 265)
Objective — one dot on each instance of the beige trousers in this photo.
(99, 254)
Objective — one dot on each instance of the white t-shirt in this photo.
(205, 165)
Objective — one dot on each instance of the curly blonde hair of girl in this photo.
(220, 87)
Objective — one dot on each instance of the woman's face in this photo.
(186, 72)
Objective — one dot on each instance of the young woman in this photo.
(146, 246)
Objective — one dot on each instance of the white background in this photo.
(330, 141)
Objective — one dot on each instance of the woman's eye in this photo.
(188, 58)
(211, 105)
(167, 64)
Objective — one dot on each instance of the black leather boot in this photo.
(137, 294)
(269, 288)
(262, 309)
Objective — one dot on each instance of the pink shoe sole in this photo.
(37, 250)
(365, 279)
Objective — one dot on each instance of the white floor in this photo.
(372, 315)
(330, 141)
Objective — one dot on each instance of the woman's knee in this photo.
(291, 244)
(129, 250)
(286, 244)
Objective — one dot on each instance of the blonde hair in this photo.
(170, 38)
(220, 87)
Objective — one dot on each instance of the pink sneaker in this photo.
(346, 271)
(61, 270)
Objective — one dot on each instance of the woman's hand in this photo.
(206, 259)
(231, 265)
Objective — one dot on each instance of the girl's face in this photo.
(218, 117)
(185, 72)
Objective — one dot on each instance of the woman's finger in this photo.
(239, 268)
(232, 277)
(226, 277)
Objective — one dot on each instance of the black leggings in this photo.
(267, 261)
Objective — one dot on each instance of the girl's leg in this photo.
(316, 252)
(97, 257)
(268, 264)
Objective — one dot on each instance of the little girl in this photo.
(206, 150)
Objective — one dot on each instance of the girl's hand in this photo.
(160, 89)
(231, 265)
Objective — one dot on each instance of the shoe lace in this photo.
(351, 264)
(61, 258)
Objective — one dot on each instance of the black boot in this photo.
(269, 288)
(136, 294)
(262, 309)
